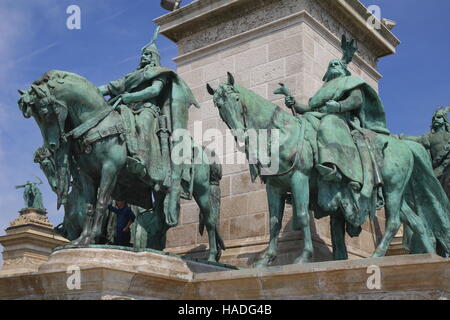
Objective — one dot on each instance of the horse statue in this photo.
(406, 190)
(84, 135)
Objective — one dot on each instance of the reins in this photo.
(301, 138)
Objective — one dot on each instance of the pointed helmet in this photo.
(152, 48)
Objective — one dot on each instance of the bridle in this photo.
(50, 102)
(244, 114)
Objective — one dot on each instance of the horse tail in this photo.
(427, 197)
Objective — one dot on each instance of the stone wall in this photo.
(263, 43)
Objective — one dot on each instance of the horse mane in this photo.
(61, 76)
(51, 79)
(248, 96)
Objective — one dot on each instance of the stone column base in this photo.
(28, 242)
(118, 274)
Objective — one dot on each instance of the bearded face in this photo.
(336, 69)
(149, 58)
(439, 121)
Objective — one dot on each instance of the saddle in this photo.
(147, 137)
(353, 152)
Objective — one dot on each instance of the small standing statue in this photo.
(32, 195)
(437, 142)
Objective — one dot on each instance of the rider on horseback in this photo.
(154, 93)
(345, 110)
(437, 142)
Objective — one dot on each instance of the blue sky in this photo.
(34, 39)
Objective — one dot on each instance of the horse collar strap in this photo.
(88, 125)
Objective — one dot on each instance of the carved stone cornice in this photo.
(206, 22)
(32, 216)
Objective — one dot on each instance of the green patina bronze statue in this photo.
(338, 158)
(147, 93)
(94, 150)
(32, 196)
(437, 142)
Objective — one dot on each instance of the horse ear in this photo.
(230, 79)
(21, 92)
(211, 91)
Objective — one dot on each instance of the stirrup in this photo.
(329, 174)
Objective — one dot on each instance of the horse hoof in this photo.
(78, 242)
(303, 259)
(378, 254)
(260, 264)
(263, 263)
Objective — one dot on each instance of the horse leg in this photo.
(210, 220)
(300, 195)
(416, 224)
(277, 202)
(158, 241)
(393, 224)
(337, 224)
(107, 184)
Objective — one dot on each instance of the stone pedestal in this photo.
(264, 43)
(396, 248)
(28, 242)
(118, 274)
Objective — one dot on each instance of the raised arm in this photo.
(148, 93)
(353, 102)
(299, 108)
(113, 209)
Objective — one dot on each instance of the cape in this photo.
(371, 114)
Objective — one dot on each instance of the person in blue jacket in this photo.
(125, 218)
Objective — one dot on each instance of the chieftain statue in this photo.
(32, 196)
(343, 111)
(339, 159)
(148, 92)
(437, 142)
(97, 150)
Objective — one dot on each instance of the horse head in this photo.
(50, 115)
(228, 100)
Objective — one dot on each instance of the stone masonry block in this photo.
(268, 72)
(285, 47)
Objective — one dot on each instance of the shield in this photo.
(170, 5)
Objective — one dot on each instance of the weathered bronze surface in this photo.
(94, 150)
(437, 142)
(338, 158)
